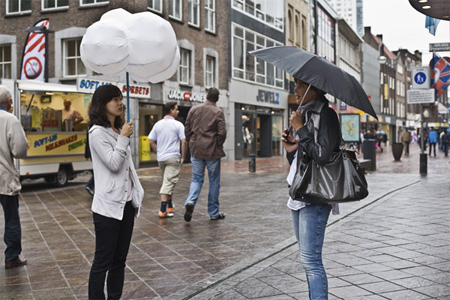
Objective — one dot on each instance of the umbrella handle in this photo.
(128, 98)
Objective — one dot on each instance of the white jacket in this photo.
(13, 144)
(111, 161)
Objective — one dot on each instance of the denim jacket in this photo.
(112, 164)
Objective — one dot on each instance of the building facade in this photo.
(257, 90)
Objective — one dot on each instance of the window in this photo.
(267, 11)
(248, 67)
(155, 5)
(87, 2)
(49, 4)
(184, 70)
(210, 70)
(175, 9)
(291, 26)
(194, 12)
(72, 65)
(210, 15)
(5, 62)
(18, 6)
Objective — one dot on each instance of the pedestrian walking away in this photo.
(406, 140)
(118, 195)
(14, 145)
(205, 133)
(432, 140)
(310, 220)
(165, 139)
(446, 141)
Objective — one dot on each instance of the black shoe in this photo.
(218, 217)
(90, 191)
(188, 212)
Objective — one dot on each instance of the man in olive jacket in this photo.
(205, 132)
(13, 144)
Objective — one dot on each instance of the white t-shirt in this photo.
(167, 133)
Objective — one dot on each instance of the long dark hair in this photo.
(97, 112)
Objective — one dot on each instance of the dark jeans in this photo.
(432, 145)
(13, 231)
(112, 241)
(406, 144)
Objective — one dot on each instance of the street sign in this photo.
(420, 96)
(440, 47)
(421, 78)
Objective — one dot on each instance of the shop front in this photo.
(260, 114)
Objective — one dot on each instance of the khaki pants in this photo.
(170, 172)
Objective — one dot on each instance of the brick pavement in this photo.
(247, 254)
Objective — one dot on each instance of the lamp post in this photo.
(43, 30)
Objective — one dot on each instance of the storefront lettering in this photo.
(268, 97)
(76, 145)
(186, 96)
(44, 141)
(136, 90)
(91, 84)
(60, 143)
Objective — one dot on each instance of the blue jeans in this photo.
(198, 176)
(309, 226)
(13, 231)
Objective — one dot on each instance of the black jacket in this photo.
(329, 136)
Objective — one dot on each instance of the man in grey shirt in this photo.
(14, 145)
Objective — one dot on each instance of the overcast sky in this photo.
(403, 27)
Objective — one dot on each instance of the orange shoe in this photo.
(165, 214)
(170, 210)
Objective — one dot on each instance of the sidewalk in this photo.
(396, 240)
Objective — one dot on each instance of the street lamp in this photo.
(43, 30)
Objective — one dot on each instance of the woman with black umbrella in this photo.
(310, 220)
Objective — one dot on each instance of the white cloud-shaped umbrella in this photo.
(142, 44)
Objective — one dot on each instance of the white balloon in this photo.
(142, 44)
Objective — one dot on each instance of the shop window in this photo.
(18, 6)
(72, 66)
(194, 12)
(90, 2)
(5, 62)
(175, 9)
(210, 71)
(184, 70)
(155, 5)
(50, 4)
(210, 15)
(54, 112)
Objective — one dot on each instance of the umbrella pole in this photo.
(128, 98)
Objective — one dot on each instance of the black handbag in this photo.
(340, 180)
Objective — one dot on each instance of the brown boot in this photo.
(15, 263)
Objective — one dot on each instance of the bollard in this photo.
(370, 153)
(423, 163)
(252, 163)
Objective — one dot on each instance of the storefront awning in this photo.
(42, 87)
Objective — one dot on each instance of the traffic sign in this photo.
(420, 96)
(440, 47)
(421, 78)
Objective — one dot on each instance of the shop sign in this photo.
(56, 144)
(90, 85)
(268, 97)
(186, 96)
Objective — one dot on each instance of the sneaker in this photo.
(90, 191)
(165, 214)
(220, 216)
(170, 210)
(189, 211)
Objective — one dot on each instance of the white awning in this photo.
(36, 86)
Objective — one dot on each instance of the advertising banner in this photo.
(33, 59)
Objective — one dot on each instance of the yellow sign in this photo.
(144, 148)
(56, 144)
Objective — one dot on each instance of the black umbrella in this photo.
(318, 72)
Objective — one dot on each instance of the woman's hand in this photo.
(285, 137)
(127, 129)
(296, 120)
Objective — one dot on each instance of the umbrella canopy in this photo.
(318, 72)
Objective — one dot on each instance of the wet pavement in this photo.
(393, 245)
